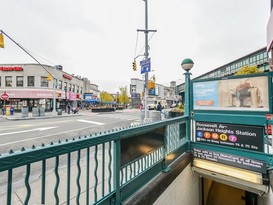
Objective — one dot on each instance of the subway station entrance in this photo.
(230, 146)
(216, 193)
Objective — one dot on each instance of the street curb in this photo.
(42, 117)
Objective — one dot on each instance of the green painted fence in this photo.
(87, 169)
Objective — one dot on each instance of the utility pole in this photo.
(146, 55)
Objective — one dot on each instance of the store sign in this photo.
(72, 96)
(250, 94)
(231, 160)
(87, 96)
(67, 77)
(238, 136)
(135, 95)
(34, 93)
(2, 68)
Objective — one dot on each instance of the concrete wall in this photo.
(183, 191)
(267, 199)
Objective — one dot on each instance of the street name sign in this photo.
(145, 65)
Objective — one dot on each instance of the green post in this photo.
(187, 65)
(165, 166)
(117, 165)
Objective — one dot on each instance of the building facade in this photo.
(137, 92)
(28, 85)
(170, 94)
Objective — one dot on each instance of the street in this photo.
(26, 133)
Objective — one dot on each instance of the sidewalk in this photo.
(19, 116)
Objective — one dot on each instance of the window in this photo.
(69, 87)
(30, 81)
(73, 89)
(247, 61)
(78, 89)
(60, 84)
(44, 82)
(261, 56)
(81, 90)
(19, 81)
(258, 57)
(65, 86)
(265, 55)
(8, 81)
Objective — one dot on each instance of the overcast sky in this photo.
(97, 39)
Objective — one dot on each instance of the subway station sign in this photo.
(231, 160)
(237, 136)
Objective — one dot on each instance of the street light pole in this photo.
(54, 112)
(146, 54)
(65, 104)
(187, 65)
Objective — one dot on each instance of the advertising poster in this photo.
(249, 94)
(205, 94)
(237, 136)
(231, 160)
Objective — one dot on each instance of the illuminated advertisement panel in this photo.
(249, 94)
(231, 135)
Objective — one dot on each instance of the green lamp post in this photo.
(187, 65)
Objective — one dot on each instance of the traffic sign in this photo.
(4, 96)
(145, 65)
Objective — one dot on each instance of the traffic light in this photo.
(1, 40)
(151, 85)
(134, 66)
(49, 77)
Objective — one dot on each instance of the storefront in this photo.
(30, 98)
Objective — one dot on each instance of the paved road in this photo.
(15, 134)
(25, 133)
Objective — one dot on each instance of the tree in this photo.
(248, 69)
(106, 97)
(123, 96)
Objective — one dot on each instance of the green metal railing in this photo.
(86, 170)
(92, 170)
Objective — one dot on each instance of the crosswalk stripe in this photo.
(91, 122)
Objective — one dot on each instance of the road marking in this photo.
(45, 136)
(22, 131)
(92, 122)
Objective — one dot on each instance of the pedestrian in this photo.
(140, 106)
(159, 108)
(68, 108)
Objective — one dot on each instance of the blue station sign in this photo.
(145, 65)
